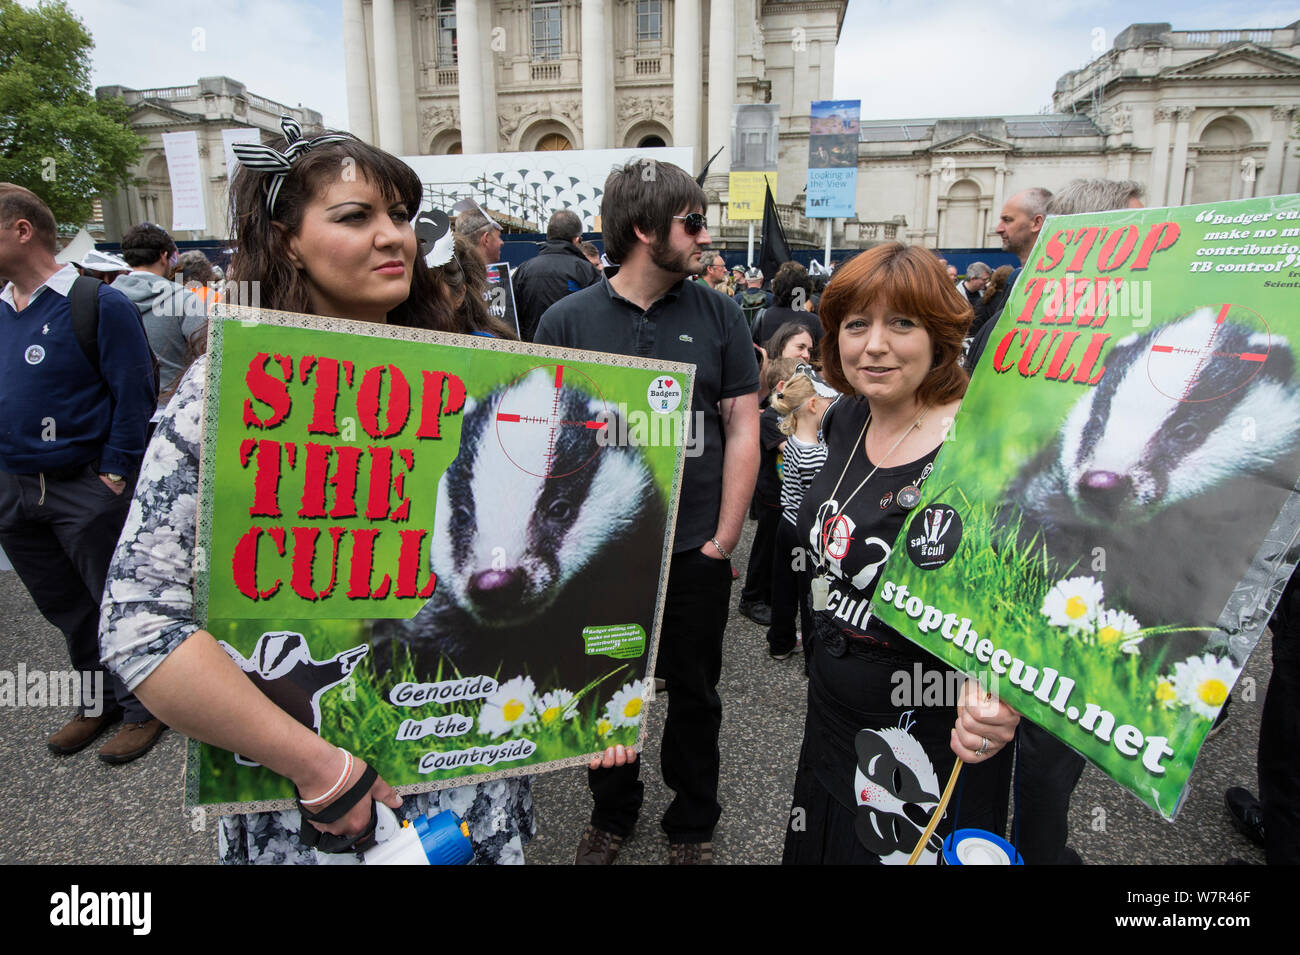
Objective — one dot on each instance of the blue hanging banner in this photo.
(833, 159)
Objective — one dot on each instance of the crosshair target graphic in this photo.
(1214, 351)
(546, 427)
(835, 531)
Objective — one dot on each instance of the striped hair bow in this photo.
(269, 159)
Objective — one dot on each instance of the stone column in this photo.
(916, 228)
(1160, 156)
(722, 81)
(1189, 184)
(388, 83)
(1178, 165)
(687, 79)
(597, 77)
(1276, 156)
(488, 72)
(932, 212)
(469, 53)
(357, 63)
(999, 190)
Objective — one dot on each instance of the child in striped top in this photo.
(801, 401)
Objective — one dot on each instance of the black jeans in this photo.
(1047, 773)
(758, 575)
(690, 660)
(1279, 744)
(789, 593)
(60, 533)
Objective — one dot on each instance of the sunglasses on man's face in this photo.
(693, 223)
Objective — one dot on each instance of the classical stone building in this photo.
(214, 103)
(1195, 116)
(483, 76)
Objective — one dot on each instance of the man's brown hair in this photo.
(645, 194)
(19, 203)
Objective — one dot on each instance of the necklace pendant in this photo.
(821, 590)
(909, 497)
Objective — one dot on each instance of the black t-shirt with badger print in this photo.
(853, 537)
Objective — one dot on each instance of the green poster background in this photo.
(1003, 588)
(357, 712)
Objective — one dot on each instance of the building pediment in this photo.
(970, 143)
(1235, 62)
(156, 112)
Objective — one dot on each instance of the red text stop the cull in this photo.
(336, 468)
(1076, 300)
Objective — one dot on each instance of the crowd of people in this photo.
(816, 400)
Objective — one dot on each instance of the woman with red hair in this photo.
(872, 762)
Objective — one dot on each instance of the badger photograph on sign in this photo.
(1113, 515)
(443, 553)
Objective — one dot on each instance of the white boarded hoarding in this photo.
(532, 186)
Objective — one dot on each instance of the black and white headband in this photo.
(269, 159)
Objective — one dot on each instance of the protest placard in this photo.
(441, 552)
(1113, 516)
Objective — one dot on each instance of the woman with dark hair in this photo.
(791, 340)
(311, 240)
(871, 766)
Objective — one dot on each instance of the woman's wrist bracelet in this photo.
(338, 786)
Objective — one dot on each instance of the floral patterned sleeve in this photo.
(148, 606)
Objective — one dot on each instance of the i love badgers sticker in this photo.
(664, 395)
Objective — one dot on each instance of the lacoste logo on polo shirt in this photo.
(685, 338)
(35, 355)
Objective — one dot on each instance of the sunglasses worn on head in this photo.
(694, 223)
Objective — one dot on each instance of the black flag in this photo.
(705, 171)
(775, 250)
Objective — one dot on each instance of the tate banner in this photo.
(1108, 527)
(443, 553)
(833, 158)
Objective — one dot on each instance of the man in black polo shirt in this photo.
(653, 221)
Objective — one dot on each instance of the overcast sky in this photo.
(902, 58)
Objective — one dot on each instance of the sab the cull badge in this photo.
(933, 536)
(35, 354)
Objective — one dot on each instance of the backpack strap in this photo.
(83, 301)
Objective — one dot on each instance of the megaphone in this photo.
(440, 840)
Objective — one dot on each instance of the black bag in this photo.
(83, 301)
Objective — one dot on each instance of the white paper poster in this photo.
(182, 151)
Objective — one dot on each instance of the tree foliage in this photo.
(55, 137)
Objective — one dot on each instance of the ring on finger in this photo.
(984, 746)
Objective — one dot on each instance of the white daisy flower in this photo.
(625, 708)
(555, 707)
(1202, 683)
(510, 708)
(1116, 629)
(1074, 604)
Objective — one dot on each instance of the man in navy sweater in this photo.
(71, 442)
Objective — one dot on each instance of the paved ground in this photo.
(77, 809)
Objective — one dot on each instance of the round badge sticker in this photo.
(35, 355)
(664, 395)
(933, 536)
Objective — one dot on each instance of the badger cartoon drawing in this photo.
(525, 514)
(1165, 478)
